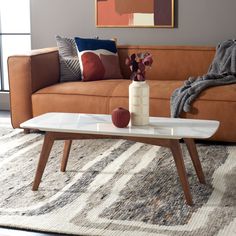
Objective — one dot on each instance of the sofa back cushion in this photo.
(171, 62)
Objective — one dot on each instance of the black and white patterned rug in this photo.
(115, 187)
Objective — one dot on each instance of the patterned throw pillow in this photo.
(99, 59)
(69, 60)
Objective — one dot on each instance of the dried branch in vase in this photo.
(138, 64)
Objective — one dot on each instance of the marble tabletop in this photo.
(159, 127)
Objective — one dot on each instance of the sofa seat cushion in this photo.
(93, 88)
(160, 89)
(119, 88)
(220, 93)
(83, 97)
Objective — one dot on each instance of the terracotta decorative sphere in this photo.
(120, 117)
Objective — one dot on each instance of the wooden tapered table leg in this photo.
(179, 162)
(47, 146)
(66, 153)
(26, 131)
(195, 159)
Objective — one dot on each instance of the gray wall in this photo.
(198, 22)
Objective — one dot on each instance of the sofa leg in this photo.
(26, 131)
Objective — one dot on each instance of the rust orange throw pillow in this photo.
(98, 58)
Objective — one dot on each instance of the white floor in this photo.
(5, 120)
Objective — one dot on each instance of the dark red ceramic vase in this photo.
(120, 117)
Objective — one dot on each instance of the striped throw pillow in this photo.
(69, 60)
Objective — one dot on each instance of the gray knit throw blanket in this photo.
(222, 71)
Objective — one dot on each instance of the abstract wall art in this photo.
(135, 13)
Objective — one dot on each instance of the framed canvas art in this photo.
(135, 13)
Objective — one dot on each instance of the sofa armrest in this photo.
(28, 73)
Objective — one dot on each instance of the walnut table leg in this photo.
(195, 159)
(179, 162)
(47, 146)
(66, 153)
(26, 131)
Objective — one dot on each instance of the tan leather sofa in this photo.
(35, 87)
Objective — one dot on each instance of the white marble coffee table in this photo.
(161, 131)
